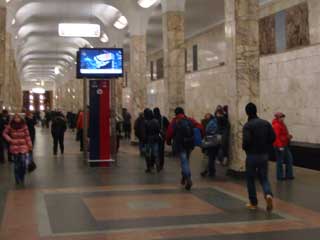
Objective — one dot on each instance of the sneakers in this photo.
(183, 181)
(252, 207)
(269, 202)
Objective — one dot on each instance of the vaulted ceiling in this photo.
(39, 49)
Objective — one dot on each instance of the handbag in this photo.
(211, 141)
(31, 166)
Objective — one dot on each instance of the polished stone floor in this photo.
(65, 199)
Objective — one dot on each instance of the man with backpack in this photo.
(181, 130)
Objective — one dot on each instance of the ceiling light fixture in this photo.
(79, 30)
(13, 22)
(146, 3)
(56, 70)
(38, 90)
(121, 23)
(104, 38)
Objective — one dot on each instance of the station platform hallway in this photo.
(65, 199)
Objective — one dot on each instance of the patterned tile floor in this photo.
(65, 199)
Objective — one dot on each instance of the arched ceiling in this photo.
(39, 49)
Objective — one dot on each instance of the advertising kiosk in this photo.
(99, 66)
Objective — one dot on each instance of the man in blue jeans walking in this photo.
(182, 133)
(258, 137)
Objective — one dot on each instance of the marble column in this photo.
(3, 14)
(174, 59)
(242, 36)
(137, 75)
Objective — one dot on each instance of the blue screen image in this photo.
(101, 61)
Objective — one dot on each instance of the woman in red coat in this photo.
(281, 145)
(18, 137)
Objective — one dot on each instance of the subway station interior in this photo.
(152, 119)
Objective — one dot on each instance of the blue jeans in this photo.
(141, 148)
(257, 165)
(184, 156)
(152, 154)
(284, 157)
(19, 167)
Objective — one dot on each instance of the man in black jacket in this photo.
(258, 137)
(58, 128)
(152, 138)
(4, 121)
(164, 124)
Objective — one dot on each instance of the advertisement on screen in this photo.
(103, 63)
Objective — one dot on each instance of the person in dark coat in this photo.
(152, 135)
(258, 137)
(4, 121)
(31, 122)
(139, 132)
(164, 124)
(58, 128)
(126, 123)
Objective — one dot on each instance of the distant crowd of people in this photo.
(261, 140)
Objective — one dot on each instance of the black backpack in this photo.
(184, 133)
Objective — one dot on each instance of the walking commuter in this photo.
(152, 139)
(164, 124)
(17, 135)
(214, 131)
(224, 130)
(181, 131)
(281, 146)
(31, 122)
(126, 124)
(4, 121)
(139, 132)
(80, 129)
(258, 137)
(58, 128)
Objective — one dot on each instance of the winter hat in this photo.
(279, 115)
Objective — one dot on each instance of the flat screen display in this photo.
(100, 63)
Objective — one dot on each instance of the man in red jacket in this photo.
(181, 131)
(281, 145)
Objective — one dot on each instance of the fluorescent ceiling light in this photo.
(146, 3)
(104, 38)
(121, 23)
(56, 70)
(39, 90)
(79, 30)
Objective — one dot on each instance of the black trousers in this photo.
(2, 148)
(58, 140)
(161, 154)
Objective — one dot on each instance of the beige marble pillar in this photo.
(174, 59)
(242, 36)
(119, 96)
(138, 72)
(3, 13)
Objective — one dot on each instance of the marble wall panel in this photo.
(293, 89)
(297, 26)
(267, 35)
